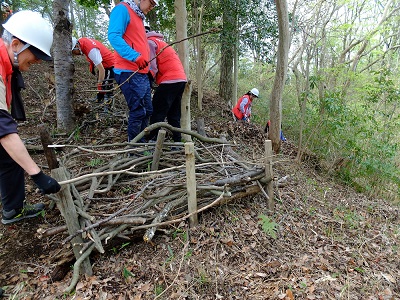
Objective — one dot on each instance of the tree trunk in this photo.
(280, 74)
(63, 66)
(181, 33)
(198, 12)
(227, 44)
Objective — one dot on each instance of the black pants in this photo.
(12, 182)
(167, 104)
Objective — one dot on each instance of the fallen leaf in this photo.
(289, 294)
(44, 278)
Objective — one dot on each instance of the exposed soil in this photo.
(331, 242)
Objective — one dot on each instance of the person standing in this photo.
(6, 11)
(169, 75)
(26, 40)
(127, 36)
(242, 109)
(102, 58)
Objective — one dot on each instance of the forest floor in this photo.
(331, 242)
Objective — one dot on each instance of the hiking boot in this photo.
(28, 211)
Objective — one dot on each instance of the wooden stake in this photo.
(269, 174)
(67, 208)
(50, 153)
(158, 149)
(191, 183)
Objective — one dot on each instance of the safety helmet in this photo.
(255, 92)
(31, 28)
(74, 41)
(5, 6)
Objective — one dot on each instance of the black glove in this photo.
(46, 184)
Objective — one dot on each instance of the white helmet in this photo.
(74, 41)
(255, 92)
(31, 28)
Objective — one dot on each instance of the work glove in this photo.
(153, 84)
(46, 184)
(100, 88)
(141, 62)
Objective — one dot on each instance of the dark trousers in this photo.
(12, 182)
(137, 94)
(167, 104)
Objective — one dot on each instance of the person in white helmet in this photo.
(6, 11)
(26, 40)
(242, 109)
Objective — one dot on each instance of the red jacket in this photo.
(169, 65)
(243, 107)
(135, 36)
(87, 45)
(6, 71)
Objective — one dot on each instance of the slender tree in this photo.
(63, 65)
(280, 74)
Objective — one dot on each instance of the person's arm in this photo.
(102, 73)
(95, 56)
(119, 20)
(243, 104)
(14, 146)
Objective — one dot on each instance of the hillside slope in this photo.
(322, 241)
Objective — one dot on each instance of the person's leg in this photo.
(134, 93)
(12, 182)
(109, 79)
(160, 107)
(12, 190)
(148, 104)
(174, 112)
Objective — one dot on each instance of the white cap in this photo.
(255, 92)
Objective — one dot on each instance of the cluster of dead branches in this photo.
(131, 187)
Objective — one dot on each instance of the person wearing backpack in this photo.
(167, 72)
(242, 109)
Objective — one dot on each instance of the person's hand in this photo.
(141, 62)
(100, 88)
(46, 184)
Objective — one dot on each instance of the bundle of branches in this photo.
(126, 193)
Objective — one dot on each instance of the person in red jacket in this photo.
(242, 109)
(26, 40)
(127, 36)
(169, 75)
(102, 58)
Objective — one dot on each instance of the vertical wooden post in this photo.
(269, 174)
(200, 126)
(158, 149)
(191, 183)
(50, 153)
(67, 208)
